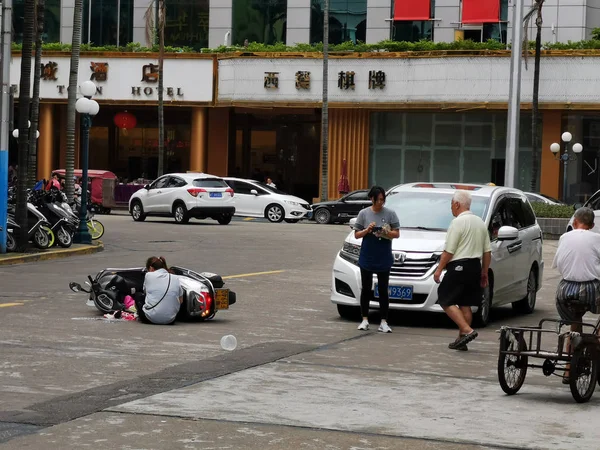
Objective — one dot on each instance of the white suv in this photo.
(182, 196)
(424, 210)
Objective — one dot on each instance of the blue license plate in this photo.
(216, 194)
(397, 292)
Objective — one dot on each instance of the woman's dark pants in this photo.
(139, 299)
(367, 294)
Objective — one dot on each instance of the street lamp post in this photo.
(87, 108)
(565, 157)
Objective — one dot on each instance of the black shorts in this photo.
(461, 285)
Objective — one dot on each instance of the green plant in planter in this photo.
(542, 210)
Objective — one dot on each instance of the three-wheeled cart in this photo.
(575, 357)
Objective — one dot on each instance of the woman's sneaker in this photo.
(364, 325)
(384, 328)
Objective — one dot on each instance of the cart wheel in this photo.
(584, 373)
(512, 368)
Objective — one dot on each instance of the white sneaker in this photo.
(384, 328)
(364, 325)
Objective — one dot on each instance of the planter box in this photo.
(553, 228)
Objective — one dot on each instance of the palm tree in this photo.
(35, 101)
(535, 111)
(325, 108)
(161, 105)
(24, 98)
(72, 91)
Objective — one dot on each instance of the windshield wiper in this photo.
(424, 228)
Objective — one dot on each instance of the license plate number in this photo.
(222, 298)
(397, 292)
(216, 194)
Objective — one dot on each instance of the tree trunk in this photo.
(24, 98)
(161, 105)
(325, 108)
(35, 101)
(535, 113)
(71, 112)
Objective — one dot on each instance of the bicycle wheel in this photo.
(512, 369)
(584, 373)
(96, 228)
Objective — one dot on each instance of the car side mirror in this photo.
(147, 187)
(508, 233)
(576, 206)
(75, 287)
(254, 192)
(352, 223)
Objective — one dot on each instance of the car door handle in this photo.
(514, 247)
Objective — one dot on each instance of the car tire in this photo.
(527, 304)
(482, 317)
(180, 213)
(349, 312)
(137, 211)
(292, 220)
(322, 216)
(275, 213)
(224, 219)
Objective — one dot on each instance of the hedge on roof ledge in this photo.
(383, 46)
(543, 210)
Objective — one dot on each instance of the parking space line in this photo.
(244, 275)
(6, 305)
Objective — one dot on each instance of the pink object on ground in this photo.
(129, 301)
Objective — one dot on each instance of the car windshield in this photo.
(270, 188)
(210, 183)
(428, 210)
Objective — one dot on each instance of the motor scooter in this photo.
(62, 223)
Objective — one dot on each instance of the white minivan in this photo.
(517, 265)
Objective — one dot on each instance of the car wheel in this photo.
(482, 317)
(224, 219)
(322, 216)
(349, 312)
(292, 220)
(274, 213)
(180, 213)
(527, 304)
(137, 211)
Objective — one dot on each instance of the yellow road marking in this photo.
(6, 305)
(247, 219)
(244, 275)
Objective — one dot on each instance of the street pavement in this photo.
(301, 377)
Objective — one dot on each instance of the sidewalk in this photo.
(34, 255)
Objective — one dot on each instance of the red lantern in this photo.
(125, 120)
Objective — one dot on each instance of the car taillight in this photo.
(230, 191)
(195, 191)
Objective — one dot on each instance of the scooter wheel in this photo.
(95, 228)
(11, 243)
(41, 238)
(64, 238)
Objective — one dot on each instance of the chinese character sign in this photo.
(302, 80)
(150, 73)
(376, 79)
(49, 71)
(346, 80)
(99, 71)
(271, 80)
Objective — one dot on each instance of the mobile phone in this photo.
(377, 229)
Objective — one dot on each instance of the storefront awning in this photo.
(412, 9)
(480, 11)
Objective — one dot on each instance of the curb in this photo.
(76, 250)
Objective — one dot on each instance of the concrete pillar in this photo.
(298, 22)
(198, 147)
(220, 21)
(378, 25)
(45, 150)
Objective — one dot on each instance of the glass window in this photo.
(160, 183)
(210, 183)
(187, 23)
(263, 21)
(51, 21)
(243, 188)
(428, 209)
(100, 28)
(357, 197)
(347, 21)
(176, 182)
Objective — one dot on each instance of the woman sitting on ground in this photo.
(163, 294)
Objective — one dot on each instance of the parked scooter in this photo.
(39, 229)
(95, 227)
(63, 223)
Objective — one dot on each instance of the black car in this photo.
(341, 210)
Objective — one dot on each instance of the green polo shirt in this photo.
(467, 237)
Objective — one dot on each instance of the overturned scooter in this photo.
(203, 293)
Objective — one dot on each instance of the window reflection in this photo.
(347, 21)
(187, 23)
(414, 30)
(51, 21)
(100, 28)
(263, 21)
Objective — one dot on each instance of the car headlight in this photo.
(289, 202)
(350, 252)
